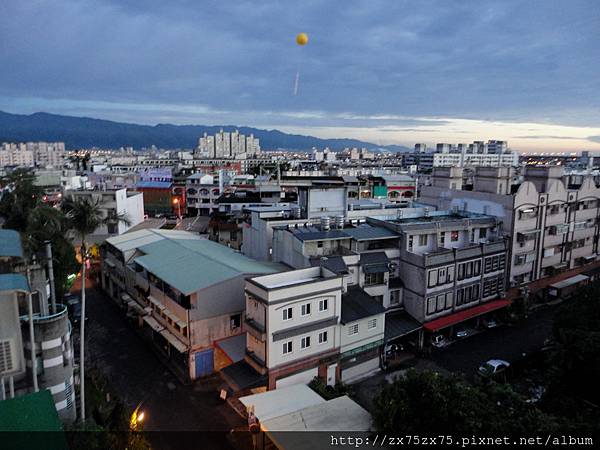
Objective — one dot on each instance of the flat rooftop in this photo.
(290, 278)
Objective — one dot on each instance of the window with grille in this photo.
(6, 359)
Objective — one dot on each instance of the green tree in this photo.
(46, 223)
(427, 403)
(19, 197)
(84, 216)
(575, 363)
(23, 210)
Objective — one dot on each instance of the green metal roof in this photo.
(13, 282)
(31, 412)
(191, 265)
(10, 244)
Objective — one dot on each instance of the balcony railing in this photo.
(256, 329)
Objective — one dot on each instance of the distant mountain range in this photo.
(84, 132)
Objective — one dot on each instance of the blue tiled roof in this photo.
(154, 184)
(10, 244)
(13, 282)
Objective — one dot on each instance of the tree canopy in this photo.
(427, 403)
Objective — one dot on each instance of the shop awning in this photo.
(175, 343)
(569, 281)
(461, 316)
(376, 268)
(153, 323)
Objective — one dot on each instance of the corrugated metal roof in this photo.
(373, 258)
(399, 324)
(338, 414)
(13, 282)
(194, 264)
(10, 244)
(314, 234)
(357, 304)
(153, 184)
(282, 401)
(367, 232)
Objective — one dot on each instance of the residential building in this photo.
(16, 155)
(185, 292)
(303, 323)
(550, 221)
(156, 184)
(227, 145)
(121, 202)
(51, 355)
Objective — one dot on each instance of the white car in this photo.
(493, 367)
(490, 323)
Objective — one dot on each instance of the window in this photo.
(442, 276)
(320, 244)
(353, 329)
(422, 240)
(448, 300)
(410, 243)
(323, 305)
(442, 238)
(432, 278)
(483, 233)
(431, 305)
(305, 309)
(454, 236)
(305, 342)
(395, 297)
(235, 321)
(440, 302)
(372, 323)
(373, 278)
(287, 347)
(322, 337)
(287, 313)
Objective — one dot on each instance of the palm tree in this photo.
(84, 216)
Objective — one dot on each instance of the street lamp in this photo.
(137, 417)
(176, 202)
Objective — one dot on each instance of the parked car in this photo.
(490, 322)
(440, 341)
(462, 333)
(493, 367)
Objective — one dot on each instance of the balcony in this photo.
(256, 362)
(255, 328)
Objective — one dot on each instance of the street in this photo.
(136, 375)
(465, 356)
(505, 342)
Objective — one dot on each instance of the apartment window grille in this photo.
(372, 323)
(305, 311)
(353, 329)
(288, 313)
(305, 342)
(323, 337)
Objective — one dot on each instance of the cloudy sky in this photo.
(385, 71)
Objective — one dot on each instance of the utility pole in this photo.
(51, 275)
(31, 334)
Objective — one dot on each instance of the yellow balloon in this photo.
(302, 39)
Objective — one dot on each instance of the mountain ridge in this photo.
(86, 132)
